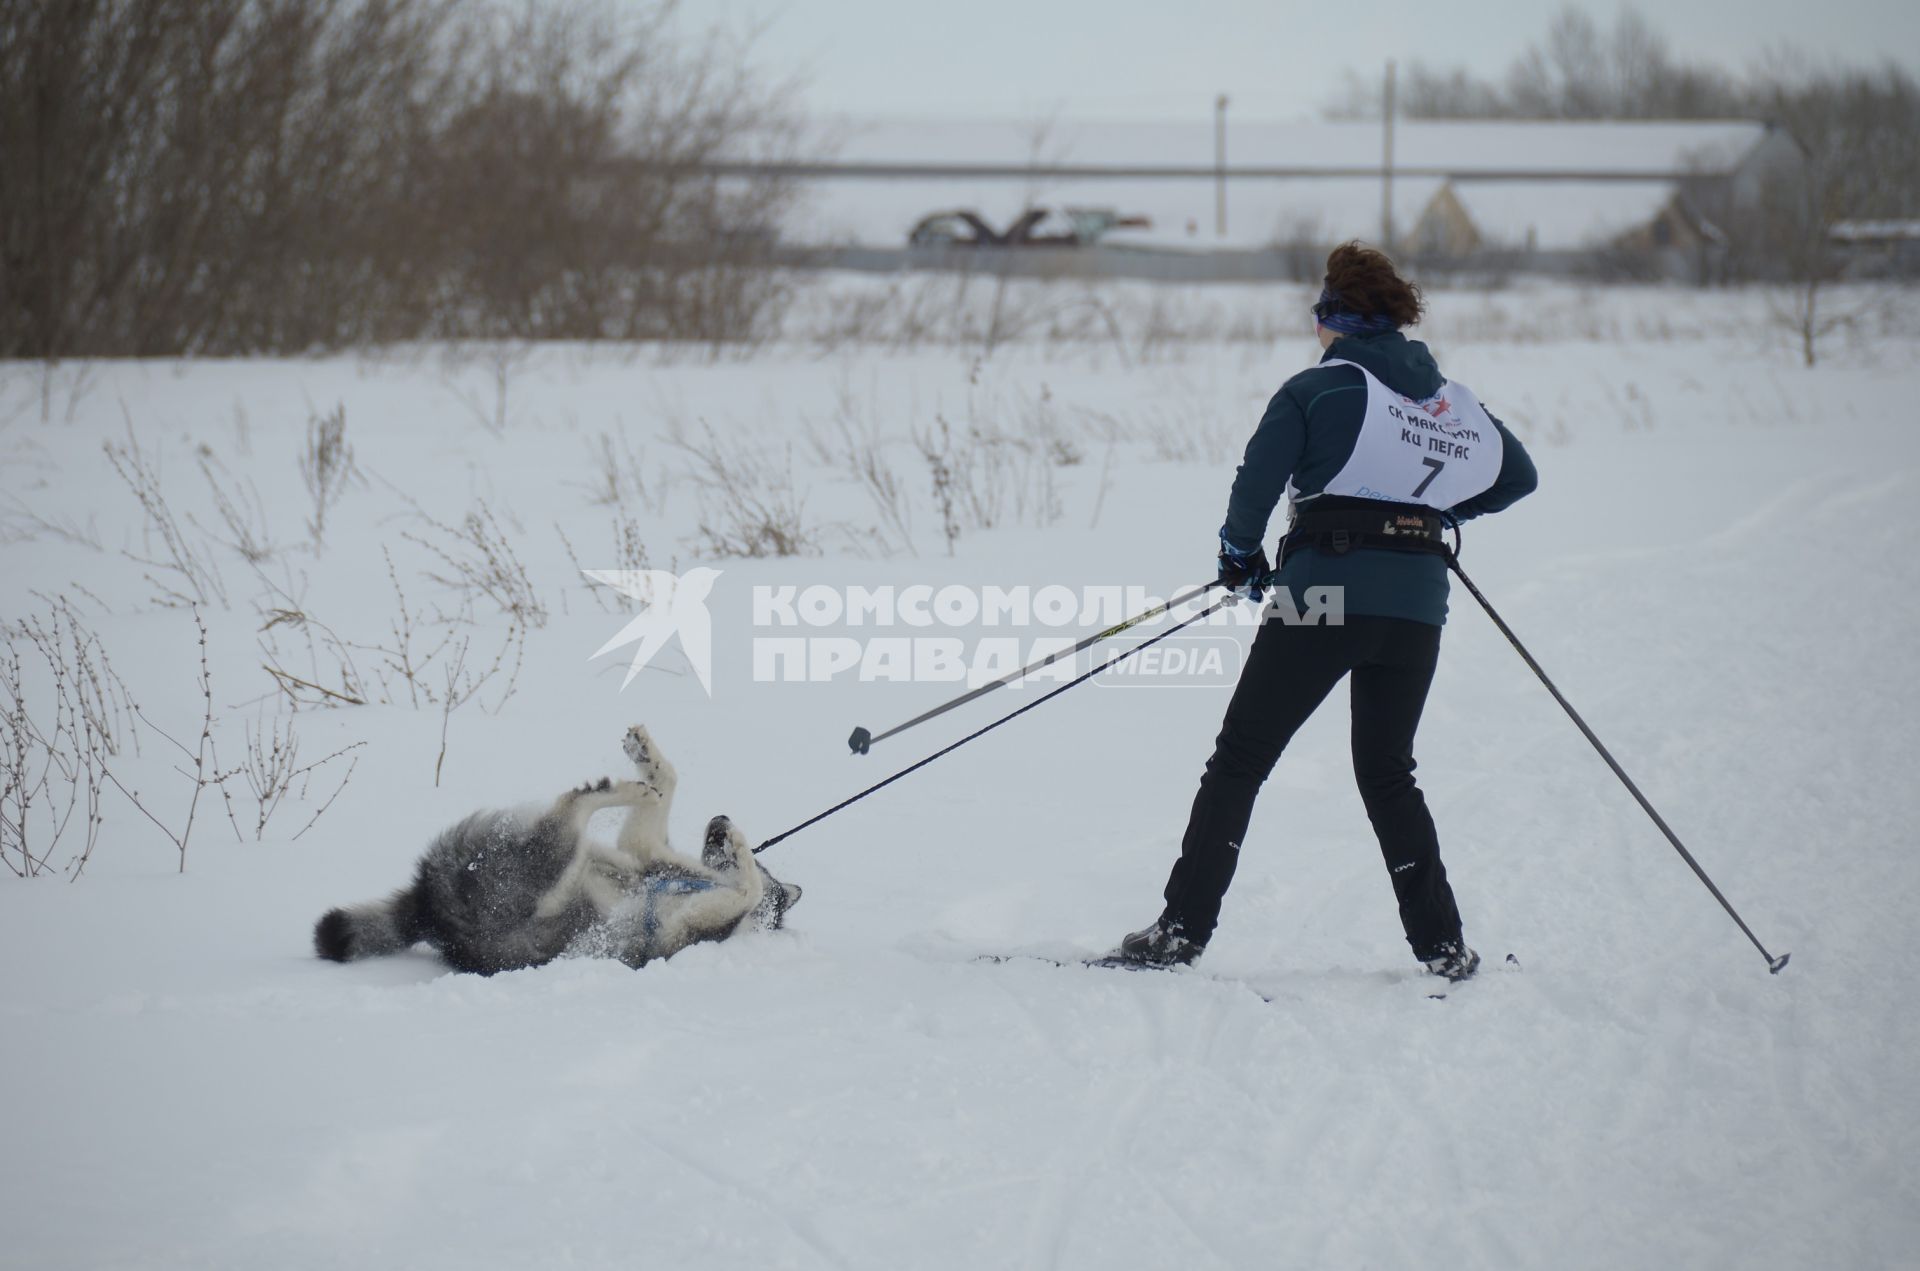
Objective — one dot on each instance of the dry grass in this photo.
(749, 504)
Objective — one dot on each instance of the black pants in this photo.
(1289, 672)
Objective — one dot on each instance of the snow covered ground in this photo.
(1716, 570)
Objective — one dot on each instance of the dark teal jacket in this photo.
(1307, 435)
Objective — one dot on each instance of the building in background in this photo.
(1548, 195)
(1879, 249)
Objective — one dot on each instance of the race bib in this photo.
(1437, 452)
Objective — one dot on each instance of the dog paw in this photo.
(591, 787)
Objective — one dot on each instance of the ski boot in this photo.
(1455, 961)
(1157, 947)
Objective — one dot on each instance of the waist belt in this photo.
(1338, 525)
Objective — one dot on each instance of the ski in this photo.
(1109, 962)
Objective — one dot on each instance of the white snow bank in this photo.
(1715, 570)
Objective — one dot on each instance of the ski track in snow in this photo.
(1726, 592)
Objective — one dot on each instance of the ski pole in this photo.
(1774, 964)
(1221, 603)
(862, 739)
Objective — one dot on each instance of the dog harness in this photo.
(667, 885)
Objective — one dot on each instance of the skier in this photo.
(1371, 446)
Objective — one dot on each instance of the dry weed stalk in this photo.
(326, 468)
(619, 470)
(857, 446)
(629, 553)
(982, 478)
(749, 505)
(204, 771)
(272, 772)
(460, 685)
(241, 509)
(481, 562)
(328, 657)
(196, 579)
(54, 768)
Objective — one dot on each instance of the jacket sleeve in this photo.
(1518, 478)
(1271, 457)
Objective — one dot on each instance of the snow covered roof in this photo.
(1559, 215)
(1442, 147)
(1871, 231)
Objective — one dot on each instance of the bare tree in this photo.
(1577, 70)
(1855, 132)
(236, 176)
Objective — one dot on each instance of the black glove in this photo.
(1249, 575)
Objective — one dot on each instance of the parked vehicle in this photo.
(1070, 227)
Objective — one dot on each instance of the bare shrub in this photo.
(1200, 437)
(869, 316)
(240, 176)
(198, 765)
(629, 549)
(854, 443)
(23, 524)
(1185, 436)
(407, 656)
(619, 474)
(1106, 484)
(242, 512)
(326, 468)
(57, 758)
(592, 133)
(328, 657)
(1040, 423)
(481, 563)
(943, 474)
(208, 174)
(982, 478)
(749, 505)
(188, 576)
(1134, 320)
(498, 361)
(425, 658)
(54, 757)
(629, 554)
(272, 773)
(460, 684)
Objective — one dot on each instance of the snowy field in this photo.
(1715, 570)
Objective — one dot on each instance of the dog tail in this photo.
(372, 930)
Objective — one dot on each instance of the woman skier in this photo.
(1377, 453)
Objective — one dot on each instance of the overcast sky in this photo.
(1277, 59)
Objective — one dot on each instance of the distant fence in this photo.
(1226, 265)
(1142, 263)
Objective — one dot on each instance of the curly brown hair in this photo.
(1369, 285)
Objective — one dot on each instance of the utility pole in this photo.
(1386, 164)
(1220, 165)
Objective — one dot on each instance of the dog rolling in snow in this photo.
(500, 891)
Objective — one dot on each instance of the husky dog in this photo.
(501, 891)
